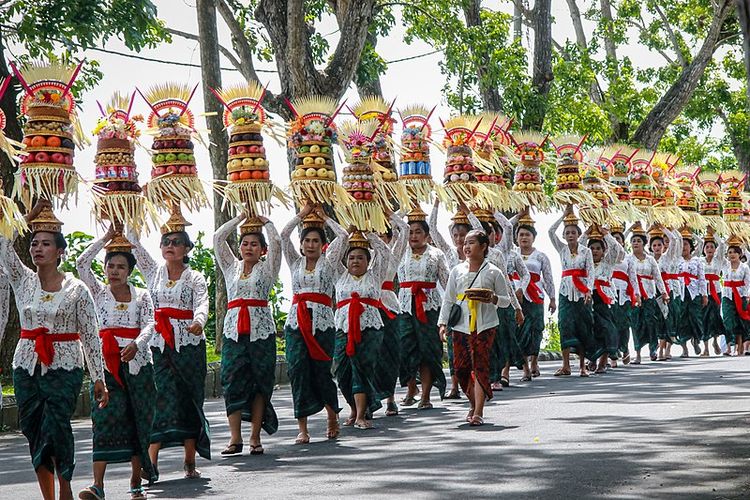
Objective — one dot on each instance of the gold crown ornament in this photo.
(655, 231)
(46, 221)
(526, 220)
(637, 229)
(416, 214)
(358, 240)
(734, 241)
(595, 232)
(460, 218)
(313, 220)
(176, 222)
(709, 236)
(251, 225)
(119, 243)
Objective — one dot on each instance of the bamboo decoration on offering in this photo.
(664, 208)
(461, 169)
(490, 166)
(528, 181)
(710, 206)
(732, 184)
(689, 196)
(415, 168)
(568, 188)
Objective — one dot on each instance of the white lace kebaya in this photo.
(398, 246)
(428, 267)
(255, 286)
(538, 264)
(452, 256)
(69, 310)
(318, 280)
(138, 313)
(580, 261)
(189, 293)
(4, 302)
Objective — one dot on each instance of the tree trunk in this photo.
(7, 169)
(542, 74)
(671, 104)
(517, 22)
(218, 146)
(743, 14)
(370, 86)
(491, 100)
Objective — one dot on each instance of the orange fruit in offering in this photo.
(53, 141)
(245, 175)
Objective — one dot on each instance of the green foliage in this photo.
(552, 336)
(202, 260)
(78, 241)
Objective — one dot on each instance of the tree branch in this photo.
(239, 41)
(225, 51)
(642, 29)
(672, 36)
(605, 8)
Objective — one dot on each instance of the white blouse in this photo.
(452, 256)
(742, 273)
(70, 310)
(669, 263)
(398, 247)
(491, 277)
(138, 313)
(603, 270)
(643, 270)
(428, 267)
(368, 286)
(620, 287)
(715, 267)
(4, 303)
(319, 280)
(581, 260)
(538, 263)
(189, 292)
(693, 268)
(256, 285)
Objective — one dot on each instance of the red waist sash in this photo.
(43, 346)
(243, 316)
(111, 349)
(600, 285)
(417, 289)
(737, 299)
(712, 279)
(688, 278)
(630, 291)
(164, 327)
(304, 322)
(641, 289)
(388, 285)
(535, 293)
(669, 276)
(576, 275)
(356, 308)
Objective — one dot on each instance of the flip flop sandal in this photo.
(151, 478)
(626, 359)
(504, 382)
(256, 449)
(497, 386)
(409, 401)
(93, 492)
(562, 373)
(232, 449)
(635, 362)
(191, 472)
(349, 422)
(426, 405)
(391, 410)
(584, 375)
(137, 493)
(476, 421)
(525, 378)
(302, 438)
(364, 427)
(453, 395)
(535, 373)
(469, 416)
(652, 356)
(333, 430)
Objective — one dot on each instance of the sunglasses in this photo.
(172, 242)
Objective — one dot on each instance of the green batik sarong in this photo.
(691, 319)
(605, 333)
(505, 347)
(388, 361)
(421, 346)
(449, 348)
(713, 326)
(734, 325)
(356, 374)
(45, 406)
(248, 369)
(672, 324)
(180, 379)
(531, 332)
(312, 381)
(576, 321)
(621, 320)
(648, 324)
(122, 429)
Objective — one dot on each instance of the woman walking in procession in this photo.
(58, 327)
(454, 255)
(479, 288)
(310, 329)
(359, 327)
(180, 299)
(646, 317)
(540, 271)
(714, 260)
(122, 430)
(666, 248)
(575, 315)
(692, 272)
(624, 286)
(387, 370)
(421, 269)
(736, 291)
(248, 353)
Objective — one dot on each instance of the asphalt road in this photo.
(659, 430)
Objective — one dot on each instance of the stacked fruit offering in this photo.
(47, 169)
(732, 184)
(620, 159)
(312, 134)
(686, 181)
(459, 139)
(174, 176)
(711, 205)
(641, 185)
(356, 139)
(527, 178)
(568, 188)
(415, 169)
(247, 155)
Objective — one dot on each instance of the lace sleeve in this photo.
(290, 250)
(721, 252)
(548, 282)
(437, 237)
(88, 328)
(83, 266)
(381, 257)
(14, 268)
(442, 272)
(449, 297)
(522, 270)
(698, 243)
(674, 252)
(145, 262)
(554, 239)
(337, 248)
(633, 277)
(224, 255)
(274, 249)
(589, 270)
(746, 277)
(702, 283)
(402, 238)
(503, 292)
(200, 299)
(145, 321)
(615, 252)
(475, 223)
(506, 243)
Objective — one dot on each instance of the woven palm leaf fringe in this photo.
(51, 183)
(11, 220)
(188, 189)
